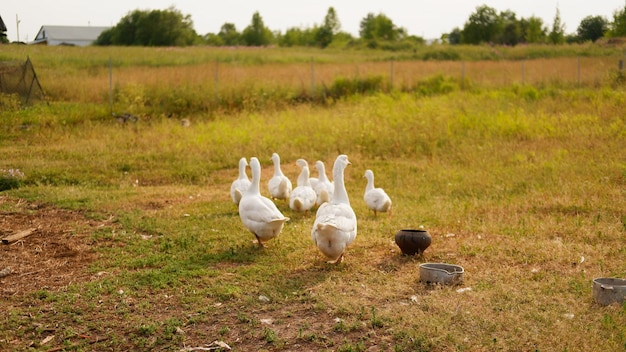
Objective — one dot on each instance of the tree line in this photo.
(170, 27)
(486, 25)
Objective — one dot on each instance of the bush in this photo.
(342, 87)
(10, 179)
(617, 78)
(438, 84)
(448, 54)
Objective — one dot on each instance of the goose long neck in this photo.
(256, 177)
(303, 179)
(242, 170)
(322, 171)
(340, 194)
(277, 170)
(370, 181)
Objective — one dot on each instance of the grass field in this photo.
(139, 246)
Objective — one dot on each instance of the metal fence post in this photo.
(578, 75)
(312, 79)
(217, 97)
(391, 75)
(462, 74)
(111, 85)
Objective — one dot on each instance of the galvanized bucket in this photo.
(608, 290)
(441, 273)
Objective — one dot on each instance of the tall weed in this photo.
(438, 84)
(344, 87)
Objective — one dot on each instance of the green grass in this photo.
(73, 58)
(514, 184)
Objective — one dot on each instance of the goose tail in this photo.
(283, 187)
(238, 196)
(325, 229)
(298, 204)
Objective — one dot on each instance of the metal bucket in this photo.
(441, 273)
(608, 290)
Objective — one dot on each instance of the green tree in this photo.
(380, 27)
(343, 38)
(510, 29)
(151, 28)
(229, 35)
(292, 37)
(297, 37)
(533, 31)
(453, 38)
(483, 26)
(213, 39)
(366, 29)
(557, 34)
(617, 28)
(331, 26)
(256, 34)
(592, 28)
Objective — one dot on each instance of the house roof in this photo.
(3, 27)
(73, 35)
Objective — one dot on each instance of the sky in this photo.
(425, 18)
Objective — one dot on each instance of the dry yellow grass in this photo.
(208, 77)
(83, 74)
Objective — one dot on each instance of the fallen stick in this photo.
(62, 348)
(18, 235)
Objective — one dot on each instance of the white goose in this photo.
(375, 198)
(335, 222)
(325, 188)
(241, 184)
(312, 180)
(302, 197)
(279, 185)
(258, 213)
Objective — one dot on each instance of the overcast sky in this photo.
(425, 18)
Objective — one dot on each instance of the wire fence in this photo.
(576, 71)
(213, 85)
(17, 77)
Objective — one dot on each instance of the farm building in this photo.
(3, 27)
(68, 35)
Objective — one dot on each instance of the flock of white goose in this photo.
(335, 225)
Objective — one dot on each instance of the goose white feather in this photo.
(375, 197)
(302, 197)
(335, 225)
(279, 185)
(258, 213)
(324, 188)
(241, 184)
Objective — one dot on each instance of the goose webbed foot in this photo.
(336, 261)
(258, 242)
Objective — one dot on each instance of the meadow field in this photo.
(514, 163)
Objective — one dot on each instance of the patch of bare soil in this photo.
(55, 251)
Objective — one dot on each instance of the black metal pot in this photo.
(412, 241)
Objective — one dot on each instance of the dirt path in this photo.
(55, 254)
